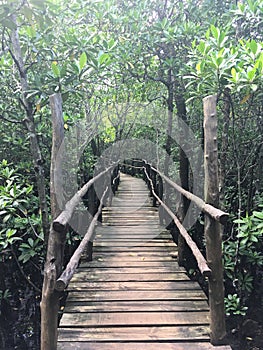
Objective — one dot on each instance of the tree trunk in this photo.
(169, 122)
(38, 161)
(224, 145)
(55, 253)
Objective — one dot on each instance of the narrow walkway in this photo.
(133, 295)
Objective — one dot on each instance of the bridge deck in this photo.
(133, 295)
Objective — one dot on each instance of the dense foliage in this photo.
(116, 63)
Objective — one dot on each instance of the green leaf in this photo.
(55, 69)
(201, 47)
(10, 232)
(222, 38)
(82, 60)
(198, 67)
(258, 214)
(253, 46)
(215, 32)
(234, 74)
(251, 74)
(6, 218)
(31, 242)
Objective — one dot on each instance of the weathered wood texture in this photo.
(134, 295)
(213, 229)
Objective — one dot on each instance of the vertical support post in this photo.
(154, 181)
(213, 231)
(160, 194)
(92, 210)
(55, 251)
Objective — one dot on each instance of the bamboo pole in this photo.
(212, 227)
(55, 251)
(202, 264)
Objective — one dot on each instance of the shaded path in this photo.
(133, 295)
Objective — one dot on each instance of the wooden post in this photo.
(154, 180)
(160, 194)
(213, 234)
(55, 251)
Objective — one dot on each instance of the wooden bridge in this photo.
(134, 295)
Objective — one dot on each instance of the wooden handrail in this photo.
(215, 213)
(202, 263)
(60, 223)
(63, 281)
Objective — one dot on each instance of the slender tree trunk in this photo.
(55, 253)
(169, 122)
(224, 145)
(38, 161)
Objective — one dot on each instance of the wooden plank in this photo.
(128, 277)
(134, 222)
(129, 210)
(118, 212)
(149, 235)
(118, 295)
(136, 306)
(130, 270)
(145, 208)
(134, 319)
(144, 243)
(143, 248)
(135, 256)
(123, 228)
(101, 334)
(156, 345)
(134, 285)
(120, 219)
(101, 264)
(153, 235)
(132, 239)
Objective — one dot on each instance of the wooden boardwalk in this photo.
(133, 295)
